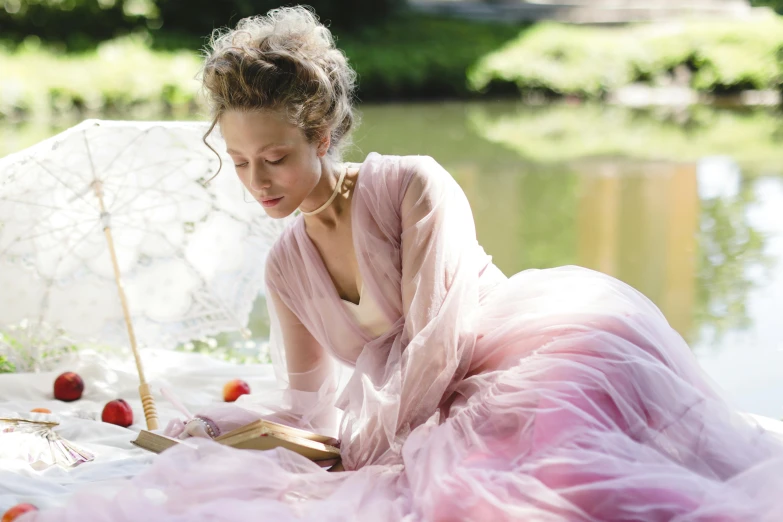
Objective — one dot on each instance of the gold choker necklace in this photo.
(331, 198)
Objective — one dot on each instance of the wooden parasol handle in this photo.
(147, 401)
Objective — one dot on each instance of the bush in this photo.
(777, 5)
(405, 57)
(73, 25)
(420, 57)
(119, 76)
(589, 62)
(200, 17)
(77, 25)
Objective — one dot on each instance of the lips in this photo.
(270, 202)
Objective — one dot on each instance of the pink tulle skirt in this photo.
(587, 407)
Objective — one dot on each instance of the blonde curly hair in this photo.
(286, 60)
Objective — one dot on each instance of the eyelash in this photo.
(278, 162)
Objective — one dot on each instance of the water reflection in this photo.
(556, 133)
(639, 223)
(642, 222)
(733, 255)
(629, 193)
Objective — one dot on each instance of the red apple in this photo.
(68, 387)
(234, 389)
(117, 412)
(17, 511)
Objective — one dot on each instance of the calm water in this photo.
(686, 206)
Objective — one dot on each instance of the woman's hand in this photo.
(337, 467)
(199, 427)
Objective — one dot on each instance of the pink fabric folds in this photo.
(418, 255)
(557, 395)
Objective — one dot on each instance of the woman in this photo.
(553, 395)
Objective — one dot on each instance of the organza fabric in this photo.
(368, 315)
(554, 395)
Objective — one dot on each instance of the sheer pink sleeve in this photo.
(306, 375)
(398, 385)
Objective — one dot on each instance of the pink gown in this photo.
(557, 395)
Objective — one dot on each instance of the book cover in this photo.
(258, 435)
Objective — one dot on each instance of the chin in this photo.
(278, 213)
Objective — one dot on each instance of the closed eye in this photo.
(277, 162)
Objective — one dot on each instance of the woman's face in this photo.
(273, 159)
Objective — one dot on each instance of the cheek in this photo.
(244, 176)
(295, 179)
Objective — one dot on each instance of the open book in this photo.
(258, 435)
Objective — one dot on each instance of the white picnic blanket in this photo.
(196, 379)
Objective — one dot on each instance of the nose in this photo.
(259, 179)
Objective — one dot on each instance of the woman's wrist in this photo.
(207, 425)
(338, 466)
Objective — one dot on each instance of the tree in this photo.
(777, 5)
(201, 16)
(80, 24)
(76, 23)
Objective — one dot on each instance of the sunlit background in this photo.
(636, 142)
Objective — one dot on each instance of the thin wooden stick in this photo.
(147, 401)
(28, 421)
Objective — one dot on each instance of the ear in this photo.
(323, 145)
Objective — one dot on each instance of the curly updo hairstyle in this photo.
(286, 61)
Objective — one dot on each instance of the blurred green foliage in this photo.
(563, 132)
(420, 56)
(777, 5)
(121, 75)
(723, 56)
(73, 25)
(76, 25)
(728, 247)
(32, 349)
(6, 366)
(398, 56)
(407, 57)
(200, 17)
(254, 353)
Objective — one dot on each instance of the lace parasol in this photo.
(115, 214)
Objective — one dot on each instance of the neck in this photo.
(329, 216)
